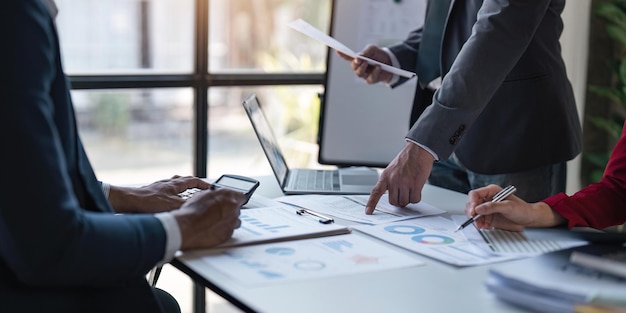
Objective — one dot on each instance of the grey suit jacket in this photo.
(61, 247)
(505, 104)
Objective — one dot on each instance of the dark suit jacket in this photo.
(61, 247)
(505, 104)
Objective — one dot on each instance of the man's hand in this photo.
(404, 178)
(372, 74)
(157, 197)
(209, 218)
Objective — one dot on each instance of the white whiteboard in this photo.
(360, 124)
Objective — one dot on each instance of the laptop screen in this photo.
(266, 138)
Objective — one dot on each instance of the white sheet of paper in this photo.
(278, 223)
(433, 237)
(530, 242)
(308, 29)
(352, 208)
(308, 259)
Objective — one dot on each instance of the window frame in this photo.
(200, 80)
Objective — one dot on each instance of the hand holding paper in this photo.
(307, 29)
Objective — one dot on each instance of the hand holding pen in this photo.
(501, 195)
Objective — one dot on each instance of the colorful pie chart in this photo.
(433, 239)
(405, 229)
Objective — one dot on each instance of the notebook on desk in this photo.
(305, 181)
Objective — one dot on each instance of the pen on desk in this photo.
(503, 194)
(322, 219)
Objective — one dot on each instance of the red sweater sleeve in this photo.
(601, 204)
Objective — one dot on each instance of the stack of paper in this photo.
(611, 263)
(551, 283)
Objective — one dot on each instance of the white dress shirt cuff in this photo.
(106, 188)
(425, 148)
(172, 233)
(394, 63)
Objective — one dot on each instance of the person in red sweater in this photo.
(598, 205)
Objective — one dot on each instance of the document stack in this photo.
(553, 283)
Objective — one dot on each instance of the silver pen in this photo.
(503, 194)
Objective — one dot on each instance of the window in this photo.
(252, 35)
(159, 82)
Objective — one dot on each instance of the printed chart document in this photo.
(551, 283)
(352, 208)
(307, 259)
(435, 237)
(530, 242)
(260, 225)
(308, 29)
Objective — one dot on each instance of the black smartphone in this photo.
(243, 184)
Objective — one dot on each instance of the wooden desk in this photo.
(433, 287)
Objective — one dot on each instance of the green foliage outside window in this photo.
(614, 14)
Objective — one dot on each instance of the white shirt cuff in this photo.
(425, 148)
(394, 63)
(106, 188)
(173, 238)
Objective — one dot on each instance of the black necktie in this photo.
(428, 58)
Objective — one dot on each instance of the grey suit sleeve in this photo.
(406, 53)
(500, 36)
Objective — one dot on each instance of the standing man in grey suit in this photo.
(493, 103)
(62, 247)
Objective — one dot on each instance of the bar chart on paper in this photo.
(502, 241)
(255, 226)
(530, 242)
(278, 223)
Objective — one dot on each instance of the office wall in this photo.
(575, 42)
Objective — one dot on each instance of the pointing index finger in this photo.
(372, 202)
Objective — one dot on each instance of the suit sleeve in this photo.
(46, 236)
(500, 36)
(406, 53)
(602, 204)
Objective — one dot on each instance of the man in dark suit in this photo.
(62, 248)
(503, 110)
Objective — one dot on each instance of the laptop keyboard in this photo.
(318, 180)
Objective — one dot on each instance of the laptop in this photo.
(305, 181)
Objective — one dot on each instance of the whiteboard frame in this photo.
(360, 124)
